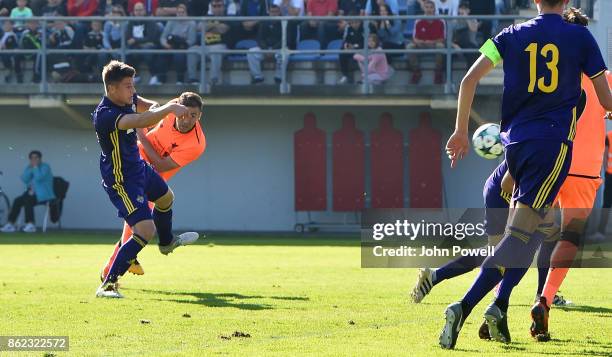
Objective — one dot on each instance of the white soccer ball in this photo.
(487, 142)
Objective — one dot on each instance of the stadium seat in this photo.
(332, 57)
(54, 207)
(307, 45)
(242, 45)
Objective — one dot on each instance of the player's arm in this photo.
(160, 164)
(458, 144)
(149, 117)
(603, 91)
(143, 104)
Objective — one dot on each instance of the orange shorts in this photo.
(576, 197)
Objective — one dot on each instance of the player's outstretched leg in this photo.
(162, 216)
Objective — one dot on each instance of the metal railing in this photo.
(203, 51)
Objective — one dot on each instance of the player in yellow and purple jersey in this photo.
(130, 182)
(543, 62)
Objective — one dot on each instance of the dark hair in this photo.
(386, 7)
(192, 100)
(35, 152)
(115, 71)
(553, 3)
(464, 4)
(576, 17)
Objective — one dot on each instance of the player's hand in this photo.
(457, 147)
(608, 116)
(179, 110)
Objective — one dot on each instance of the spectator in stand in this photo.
(9, 41)
(373, 7)
(142, 35)
(6, 6)
(484, 7)
(447, 7)
(323, 31)
(249, 29)
(178, 34)
(31, 39)
(428, 34)
(389, 33)
(269, 37)
(61, 37)
(113, 31)
(169, 7)
(216, 38)
(94, 40)
(379, 69)
(20, 12)
(82, 8)
(38, 179)
(106, 6)
(465, 34)
(351, 40)
(291, 8)
(346, 7)
(54, 8)
(149, 5)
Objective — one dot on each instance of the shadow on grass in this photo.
(212, 239)
(232, 300)
(587, 308)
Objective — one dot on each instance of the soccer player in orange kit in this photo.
(171, 145)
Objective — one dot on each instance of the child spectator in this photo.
(378, 68)
(31, 39)
(428, 34)
(8, 41)
(94, 40)
(19, 13)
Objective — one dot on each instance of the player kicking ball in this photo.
(171, 145)
(544, 60)
(130, 182)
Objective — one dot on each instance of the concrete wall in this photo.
(244, 181)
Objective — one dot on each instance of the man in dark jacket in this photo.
(269, 37)
(142, 35)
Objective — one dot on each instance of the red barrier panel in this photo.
(387, 169)
(425, 165)
(310, 154)
(348, 166)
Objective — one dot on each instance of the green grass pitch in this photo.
(292, 296)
